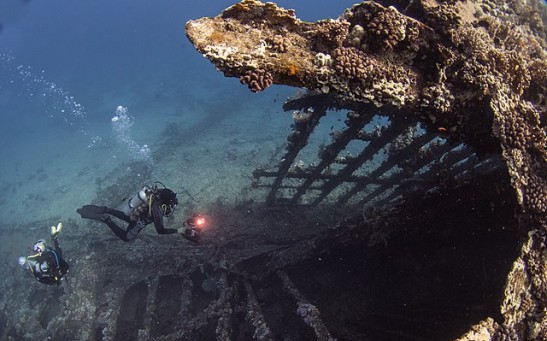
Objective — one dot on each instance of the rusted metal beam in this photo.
(354, 123)
(397, 126)
(297, 140)
(394, 159)
(429, 179)
(434, 153)
(290, 175)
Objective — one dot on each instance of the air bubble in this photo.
(54, 97)
(121, 124)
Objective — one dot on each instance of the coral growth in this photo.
(278, 43)
(377, 28)
(256, 80)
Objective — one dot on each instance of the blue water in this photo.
(66, 66)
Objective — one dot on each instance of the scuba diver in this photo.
(46, 265)
(148, 205)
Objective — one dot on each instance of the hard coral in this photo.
(517, 126)
(364, 78)
(328, 35)
(257, 80)
(278, 43)
(352, 63)
(444, 19)
(374, 27)
(386, 28)
(322, 60)
(254, 11)
(505, 333)
(439, 98)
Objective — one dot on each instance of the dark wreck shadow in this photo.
(439, 268)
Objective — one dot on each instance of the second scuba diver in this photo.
(47, 264)
(148, 205)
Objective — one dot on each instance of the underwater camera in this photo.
(193, 225)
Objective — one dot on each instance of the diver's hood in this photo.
(167, 197)
(39, 246)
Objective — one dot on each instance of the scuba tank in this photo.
(141, 197)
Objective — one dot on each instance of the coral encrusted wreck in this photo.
(474, 70)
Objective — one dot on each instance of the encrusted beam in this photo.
(465, 68)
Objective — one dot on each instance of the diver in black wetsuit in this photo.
(149, 205)
(46, 265)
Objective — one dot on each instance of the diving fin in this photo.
(55, 230)
(92, 212)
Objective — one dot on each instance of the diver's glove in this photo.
(55, 230)
(192, 234)
(22, 260)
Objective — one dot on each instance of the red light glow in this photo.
(200, 221)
